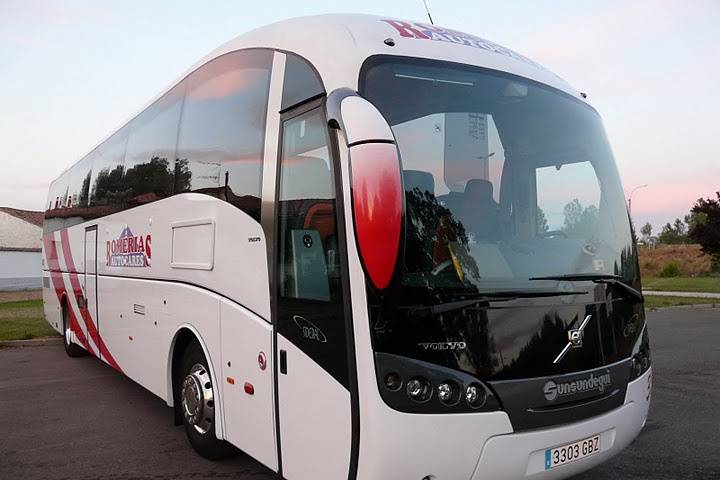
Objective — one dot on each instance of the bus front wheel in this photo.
(197, 405)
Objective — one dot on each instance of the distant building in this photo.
(20, 249)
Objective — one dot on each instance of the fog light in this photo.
(645, 362)
(475, 395)
(418, 389)
(393, 381)
(636, 367)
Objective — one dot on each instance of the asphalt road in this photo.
(63, 418)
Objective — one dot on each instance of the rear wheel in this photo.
(72, 349)
(196, 397)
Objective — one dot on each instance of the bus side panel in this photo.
(139, 319)
(191, 238)
(247, 383)
(51, 304)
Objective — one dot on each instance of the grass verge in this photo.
(656, 301)
(682, 284)
(23, 320)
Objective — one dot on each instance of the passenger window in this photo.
(310, 295)
(108, 194)
(562, 209)
(150, 158)
(301, 82)
(307, 212)
(222, 130)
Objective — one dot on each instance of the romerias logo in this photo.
(423, 31)
(129, 250)
(554, 390)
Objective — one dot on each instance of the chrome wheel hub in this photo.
(198, 402)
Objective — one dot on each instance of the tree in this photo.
(646, 230)
(541, 220)
(580, 222)
(673, 234)
(704, 228)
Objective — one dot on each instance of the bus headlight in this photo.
(415, 386)
(449, 392)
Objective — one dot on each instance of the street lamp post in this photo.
(630, 197)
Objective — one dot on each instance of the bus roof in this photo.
(338, 44)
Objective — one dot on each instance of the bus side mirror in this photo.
(375, 181)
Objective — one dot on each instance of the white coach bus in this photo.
(362, 247)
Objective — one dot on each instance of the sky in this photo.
(72, 71)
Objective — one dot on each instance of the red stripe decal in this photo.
(59, 286)
(75, 282)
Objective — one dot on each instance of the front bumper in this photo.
(522, 455)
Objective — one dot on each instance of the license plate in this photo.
(554, 457)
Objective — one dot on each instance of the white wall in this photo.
(16, 233)
(20, 270)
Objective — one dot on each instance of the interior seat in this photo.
(480, 213)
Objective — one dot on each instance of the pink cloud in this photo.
(671, 198)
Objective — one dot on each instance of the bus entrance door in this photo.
(313, 374)
(90, 280)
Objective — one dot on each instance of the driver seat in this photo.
(480, 212)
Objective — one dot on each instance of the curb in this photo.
(697, 306)
(33, 342)
(666, 293)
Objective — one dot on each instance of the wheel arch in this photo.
(183, 336)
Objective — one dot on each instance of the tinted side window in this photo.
(222, 130)
(150, 157)
(68, 197)
(300, 83)
(108, 194)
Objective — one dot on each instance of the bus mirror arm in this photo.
(360, 121)
(332, 107)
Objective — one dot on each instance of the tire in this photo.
(71, 349)
(196, 401)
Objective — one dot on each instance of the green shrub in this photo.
(670, 269)
(715, 263)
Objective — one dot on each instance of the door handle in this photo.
(283, 362)
(81, 301)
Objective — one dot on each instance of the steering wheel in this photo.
(442, 266)
(554, 233)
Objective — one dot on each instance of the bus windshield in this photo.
(505, 180)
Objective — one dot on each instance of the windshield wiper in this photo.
(484, 298)
(609, 279)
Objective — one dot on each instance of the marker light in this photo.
(419, 389)
(377, 208)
